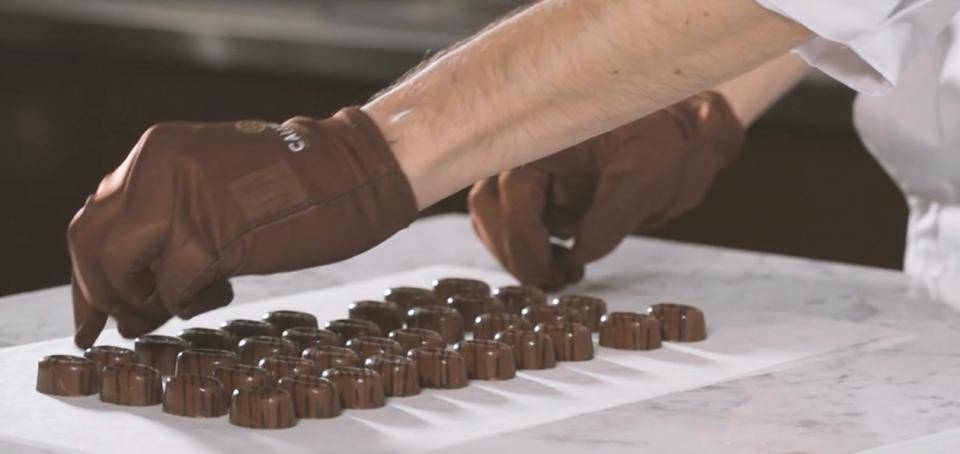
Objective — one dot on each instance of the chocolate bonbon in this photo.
(517, 297)
(217, 339)
(488, 325)
(386, 315)
(326, 356)
(242, 329)
(590, 308)
(203, 361)
(442, 319)
(105, 355)
(410, 297)
(132, 384)
(487, 359)
(472, 306)
(531, 350)
(284, 320)
(629, 331)
(541, 314)
(313, 397)
(367, 346)
(399, 374)
(160, 351)
(439, 368)
(348, 328)
(252, 349)
(195, 396)
(67, 375)
(417, 337)
(359, 387)
(243, 375)
(304, 337)
(571, 341)
(679, 322)
(266, 407)
(450, 286)
(285, 366)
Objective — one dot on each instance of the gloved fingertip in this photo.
(573, 273)
(131, 327)
(551, 286)
(89, 329)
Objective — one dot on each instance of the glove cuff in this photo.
(397, 202)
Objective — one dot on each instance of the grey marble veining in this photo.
(894, 394)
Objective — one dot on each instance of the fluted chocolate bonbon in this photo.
(283, 320)
(549, 313)
(367, 346)
(487, 359)
(252, 349)
(285, 366)
(410, 297)
(217, 339)
(410, 338)
(629, 331)
(243, 375)
(304, 337)
(571, 341)
(488, 325)
(203, 361)
(348, 328)
(399, 374)
(241, 329)
(195, 396)
(517, 297)
(439, 368)
(359, 388)
(450, 286)
(131, 384)
(442, 319)
(679, 322)
(313, 397)
(472, 306)
(105, 355)
(590, 308)
(67, 375)
(327, 356)
(531, 350)
(160, 351)
(265, 407)
(386, 315)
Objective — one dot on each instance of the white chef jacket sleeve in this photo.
(866, 44)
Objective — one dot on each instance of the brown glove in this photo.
(637, 176)
(194, 204)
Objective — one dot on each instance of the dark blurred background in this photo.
(81, 79)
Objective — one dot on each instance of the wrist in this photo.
(416, 158)
(752, 93)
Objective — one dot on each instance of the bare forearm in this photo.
(561, 72)
(752, 93)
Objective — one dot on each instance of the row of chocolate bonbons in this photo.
(481, 358)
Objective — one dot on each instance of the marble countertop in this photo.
(895, 397)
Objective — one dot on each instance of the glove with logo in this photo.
(194, 204)
(637, 176)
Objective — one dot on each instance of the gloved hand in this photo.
(637, 176)
(194, 204)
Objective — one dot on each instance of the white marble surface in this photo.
(903, 396)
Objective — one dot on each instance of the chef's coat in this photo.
(903, 57)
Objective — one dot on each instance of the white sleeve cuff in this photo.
(866, 44)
